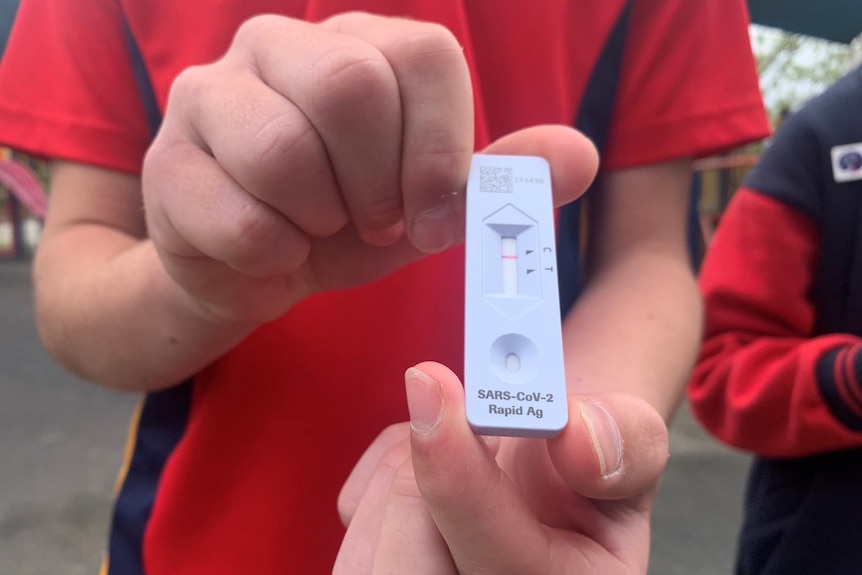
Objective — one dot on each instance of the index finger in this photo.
(437, 115)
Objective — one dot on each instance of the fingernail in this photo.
(424, 401)
(435, 229)
(604, 436)
(386, 237)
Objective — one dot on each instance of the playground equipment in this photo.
(23, 208)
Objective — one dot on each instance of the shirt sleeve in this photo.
(689, 83)
(764, 382)
(67, 89)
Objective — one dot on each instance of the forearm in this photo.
(766, 381)
(636, 329)
(108, 312)
(779, 396)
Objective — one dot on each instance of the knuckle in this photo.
(379, 211)
(287, 157)
(439, 165)
(394, 433)
(276, 138)
(443, 150)
(159, 228)
(191, 82)
(395, 456)
(251, 30)
(336, 21)
(159, 174)
(346, 507)
(428, 40)
(352, 74)
(252, 233)
(404, 483)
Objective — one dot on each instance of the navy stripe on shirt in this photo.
(162, 424)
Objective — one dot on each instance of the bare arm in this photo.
(105, 306)
(637, 326)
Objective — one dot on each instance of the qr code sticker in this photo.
(496, 180)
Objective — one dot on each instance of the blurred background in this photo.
(61, 440)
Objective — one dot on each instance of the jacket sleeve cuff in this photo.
(839, 374)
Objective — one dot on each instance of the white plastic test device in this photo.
(514, 378)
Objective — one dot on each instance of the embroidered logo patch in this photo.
(847, 162)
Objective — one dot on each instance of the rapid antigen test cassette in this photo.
(513, 371)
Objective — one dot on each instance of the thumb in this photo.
(614, 447)
(572, 156)
(487, 525)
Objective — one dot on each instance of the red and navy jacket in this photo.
(780, 370)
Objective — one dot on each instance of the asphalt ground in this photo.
(61, 444)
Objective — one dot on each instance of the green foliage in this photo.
(794, 68)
